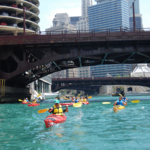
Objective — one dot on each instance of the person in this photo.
(120, 102)
(24, 100)
(57, 109)
(27, 100)
(124, 98)
(72, 99)
(76, 100)
(86, 98)
(34, 101)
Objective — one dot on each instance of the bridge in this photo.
(25, 58)
(93, 84)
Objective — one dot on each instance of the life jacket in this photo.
(119, 102)
(76, 101)
(24, 101)
(84, 100)
(34, 101)
(58, 110)
(124, 99)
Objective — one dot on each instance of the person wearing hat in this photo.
(57, 109)
(120, 102)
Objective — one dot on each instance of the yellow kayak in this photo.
(118, 107)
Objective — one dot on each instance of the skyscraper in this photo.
(136, 7)
(109, 14)
(138, 21)
(83, 24)
(12, 18)
(85, 5)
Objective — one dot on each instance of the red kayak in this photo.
(53, 119)
(33, 104)
(25, 102)
(64, 104)
(85, 103)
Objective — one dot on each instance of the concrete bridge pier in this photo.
(12, 94)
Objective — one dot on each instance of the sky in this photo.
(49, 8)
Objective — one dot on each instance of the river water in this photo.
(93, 126)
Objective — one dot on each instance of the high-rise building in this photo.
(109, 14)
(138, 21)
(11, 16)
(136, 7)
(84, 7)
(83, 24)
(74, 20)
(113, 70)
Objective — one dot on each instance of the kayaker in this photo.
(120, 102)
(57, 109)
(124, 98)
(76, 100)
(24, 100)
(34, 101)
(72, 99)
(27, 100)
(86, 98)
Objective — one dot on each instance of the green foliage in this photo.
(122, 88)
(118, 75)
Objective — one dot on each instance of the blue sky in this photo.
(49, 8)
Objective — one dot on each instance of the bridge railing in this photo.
(73, 36)
(85, 33)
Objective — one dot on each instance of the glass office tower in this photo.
(136, 7)
(138, 21)
(109, 14)
(113, 70)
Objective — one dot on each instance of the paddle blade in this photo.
(39, 95)
(106, 102)
(89, 97)
(20, 100)
(135, 101)
(77, 105)
(43, 110)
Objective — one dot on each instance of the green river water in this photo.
(94, 126)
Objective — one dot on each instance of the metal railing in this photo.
(2, 87)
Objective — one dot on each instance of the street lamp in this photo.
(23, 19)
(134, 26)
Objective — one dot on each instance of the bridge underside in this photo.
(88, 89)
(95, 83)
(24, 63)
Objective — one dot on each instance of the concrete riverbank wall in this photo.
(12, 94)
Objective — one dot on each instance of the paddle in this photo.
(106, 102)
(46, 109)
(43, 110)
(23, 100)
(39, 95)
(89, 97)
(135, 101)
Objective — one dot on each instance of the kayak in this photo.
(33, 104)
(85, 103)
(64, 104)
(25, 102)
(54, 119)
(118, 107)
